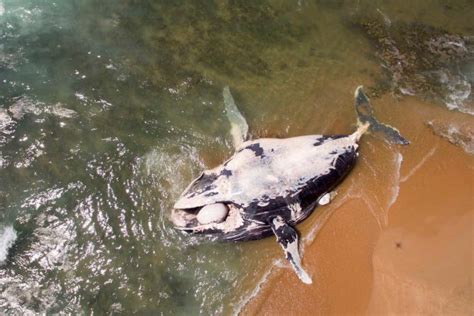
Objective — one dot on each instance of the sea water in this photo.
(108, 109)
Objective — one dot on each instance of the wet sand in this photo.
(398, 237)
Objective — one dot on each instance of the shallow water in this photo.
(109, 109)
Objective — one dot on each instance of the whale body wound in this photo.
(212, 213)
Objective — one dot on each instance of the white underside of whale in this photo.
(283, 167)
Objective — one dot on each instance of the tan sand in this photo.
(399, 234)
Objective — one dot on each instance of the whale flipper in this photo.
(287, 237)
(238, 125)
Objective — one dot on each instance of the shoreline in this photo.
(368, 252)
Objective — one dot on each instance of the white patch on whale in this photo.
(295, 261)
(295, 209)
(263, 203)
(290, 247)
(325, 199)
(278, 222)
(292, 162)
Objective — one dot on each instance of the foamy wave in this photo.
(324, 214)
(419, 165)
(458, 91)
(27, 291)
(26, 105)
(10, 119)
(168, 169)
(459, 135)
(247, 298)
(7, 239)
(396, 180)
(171, 170)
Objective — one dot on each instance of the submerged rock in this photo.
(422, 60)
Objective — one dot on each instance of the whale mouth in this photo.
(187, 220)
(184, 218)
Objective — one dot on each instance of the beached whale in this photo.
(270, 184)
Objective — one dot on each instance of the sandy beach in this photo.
(399, 234)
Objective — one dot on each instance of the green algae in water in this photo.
(109, 105)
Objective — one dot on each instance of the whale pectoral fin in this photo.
(287, 237)
(238, 125)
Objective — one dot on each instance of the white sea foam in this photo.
(26, 105)
(456, 133)
(457, 98)
(457, 91)
(247, 298)
(30, 293)
(419, 165)
(396, 181)
(7, 239)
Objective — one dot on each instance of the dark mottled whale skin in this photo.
(278, 177)
(307, 198)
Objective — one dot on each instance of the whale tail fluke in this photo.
(367, 120)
